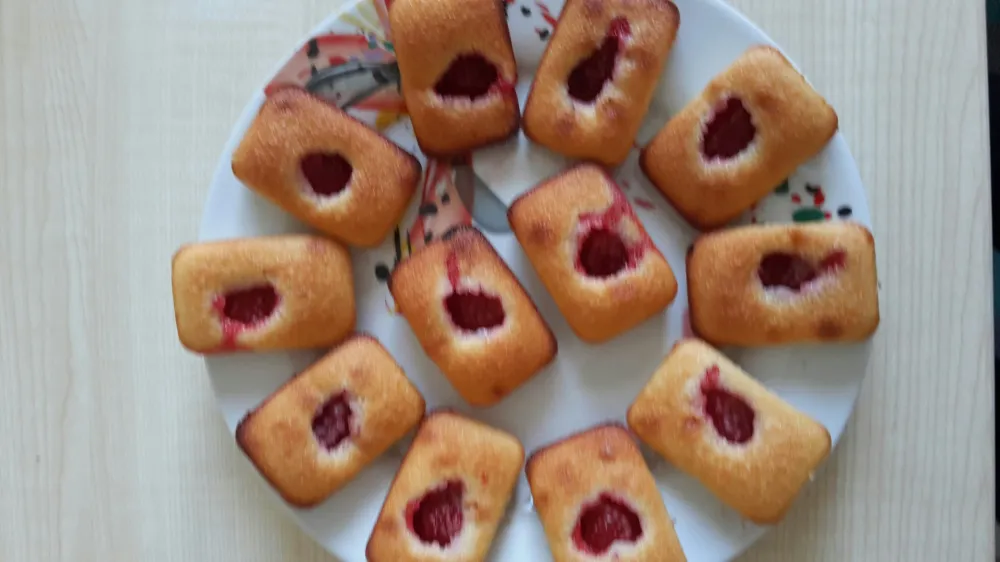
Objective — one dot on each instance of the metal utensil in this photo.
(350, 83)
(485, 207)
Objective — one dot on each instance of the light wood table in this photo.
(112, 114)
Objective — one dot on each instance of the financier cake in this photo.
(449, 495)
(597, 76)
(780, 284)
(458, 74)
(326, 168)
(592, 253)
(472, 316)
(598, 501)
(750, 128)
(268, 293)
(708, 418)
(319, 430)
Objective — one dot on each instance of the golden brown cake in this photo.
(458, 73)
(597, 76)
(449, 495)
(780, 284)
(713, 421)
(598, 501)
(750, 128)
(592, 253)
(326, 168)
(319, 430)
(269, 293)
(472, 316)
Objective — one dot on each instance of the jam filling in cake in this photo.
(731, 415)
(590, 75)
(437, 517)
(474, 311)
(471, 311)
(603, 252)
(332, 423)
(603, 522)
(782, 269)
(470, 76)
(728, 131)
(327, 174)
(244, 309)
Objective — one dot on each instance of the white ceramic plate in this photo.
(349, 60)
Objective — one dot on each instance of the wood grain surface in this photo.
(112, 114)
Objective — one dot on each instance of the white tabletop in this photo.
(112, 114)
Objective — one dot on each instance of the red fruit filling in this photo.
(603, 522)
(474, 311)
(781, 269)
(332, 423)
(454, 273)
(729, 130)
(469, 76)
(603, 253)
(834, 261)
(437, 516)
(731, 415)
(327, 174)
(591, 74)
(250, 306)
